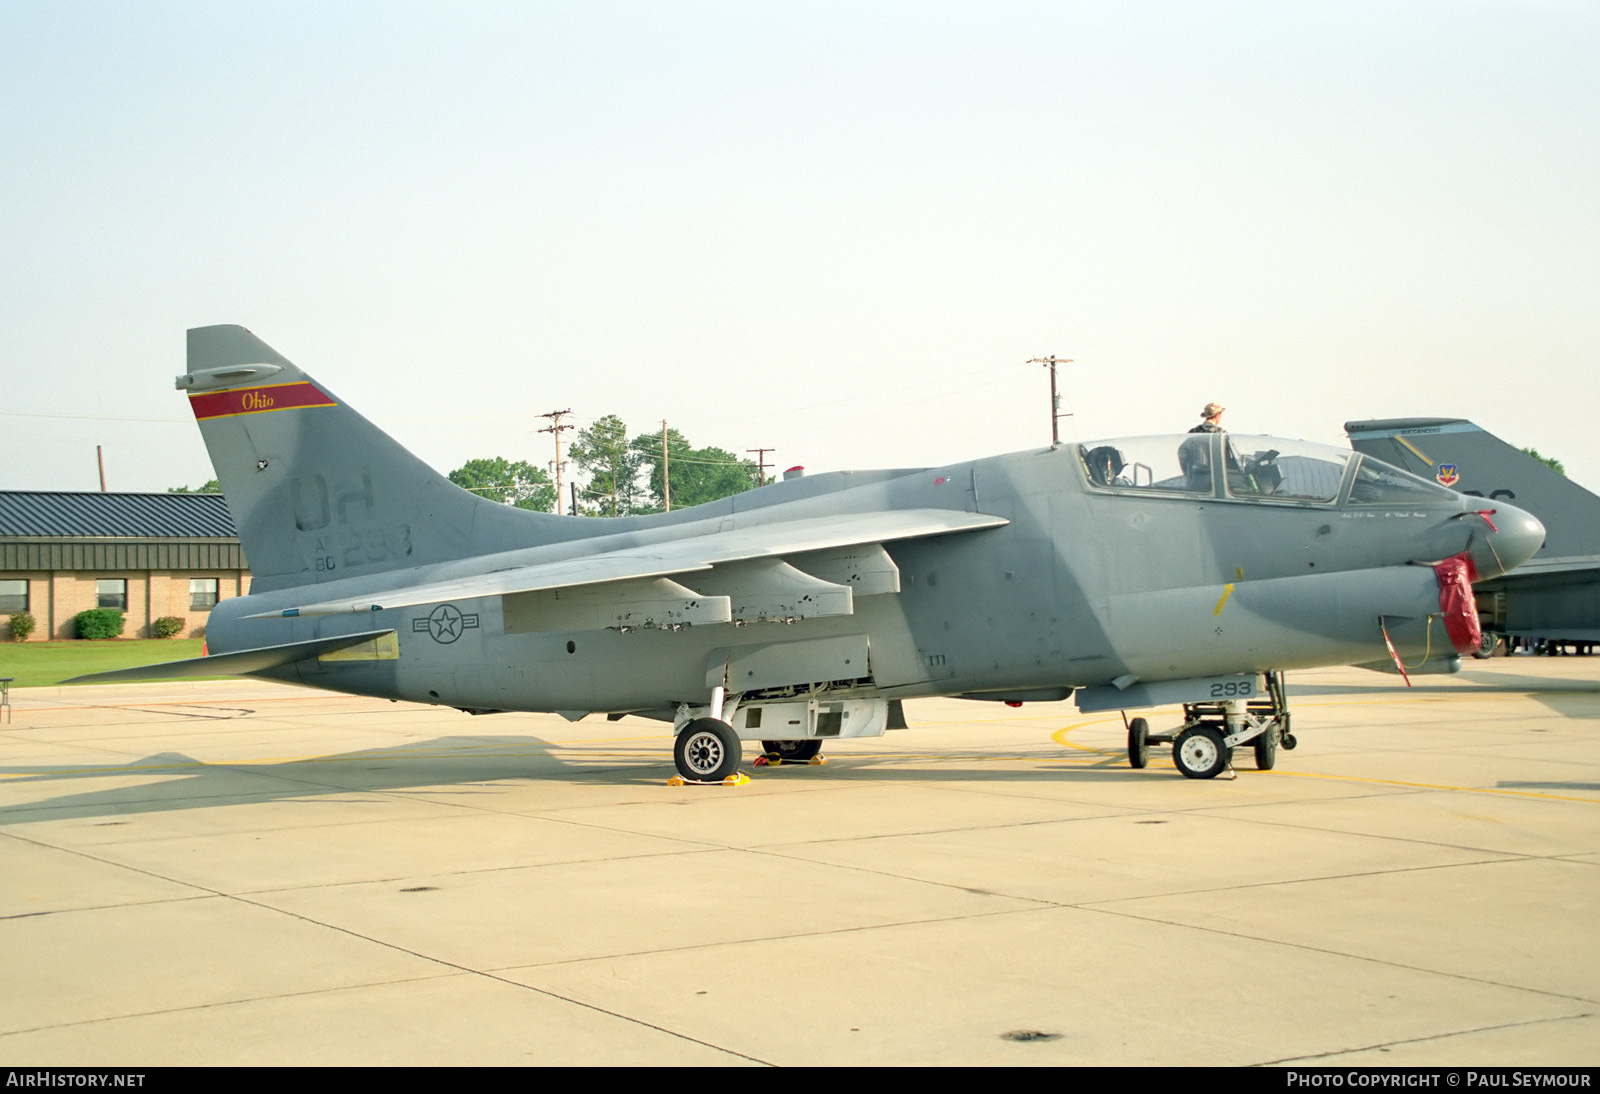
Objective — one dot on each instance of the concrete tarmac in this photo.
(241, 872)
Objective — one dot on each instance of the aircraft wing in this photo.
(233, 664)
(691, 554)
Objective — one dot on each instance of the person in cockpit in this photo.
(1210, 419)
(1194, 454)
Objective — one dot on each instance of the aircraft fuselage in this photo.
(1087, 583)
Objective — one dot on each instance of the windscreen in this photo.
(1377, 483)
(1250, 467)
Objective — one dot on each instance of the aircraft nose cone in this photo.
(1515, 536)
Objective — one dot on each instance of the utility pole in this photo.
(666, 468)
(1055, 399)
(556, 427)
(761, 467)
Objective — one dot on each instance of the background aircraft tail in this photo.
(1465, 457)
(1556, 594)
(318, 492)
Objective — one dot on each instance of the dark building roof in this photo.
(144, 516)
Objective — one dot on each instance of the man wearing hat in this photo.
(1211, 419)
(1194, 454)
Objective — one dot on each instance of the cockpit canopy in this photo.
(1246, 467)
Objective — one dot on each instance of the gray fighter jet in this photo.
(1171, 569)
(1554, 596)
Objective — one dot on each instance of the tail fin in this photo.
(1464, 456)
(318, 492)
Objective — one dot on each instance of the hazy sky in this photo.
(833, 229)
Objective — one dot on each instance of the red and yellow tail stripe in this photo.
(257, 400)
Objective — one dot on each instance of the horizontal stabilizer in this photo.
(241, 663)
(690, 554)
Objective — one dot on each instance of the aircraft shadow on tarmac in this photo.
(456, 764)
(177, 781)
(449, 764)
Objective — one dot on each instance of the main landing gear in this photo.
(790, 752)
(1202, 748)
(707, 750)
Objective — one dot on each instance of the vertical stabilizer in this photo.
(318, 492)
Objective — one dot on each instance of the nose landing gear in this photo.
(1202, 748)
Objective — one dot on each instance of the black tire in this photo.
(707, 751)
(1488, 644)
(1200, 753)
(1138, 743)
(1267, 750)
(792, 752)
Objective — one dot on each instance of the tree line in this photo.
(618, 475)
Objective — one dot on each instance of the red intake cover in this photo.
(1455, 601)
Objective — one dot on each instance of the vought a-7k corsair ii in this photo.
(1170, 569)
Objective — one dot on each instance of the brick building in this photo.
(149, 555)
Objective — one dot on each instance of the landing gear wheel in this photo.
(1200, 753)
(1289, 741)
(1487, 645)
(1267, 750)
(792, 752)
(707, 751)
(1138, 743)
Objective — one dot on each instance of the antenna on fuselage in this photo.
(1055, 397)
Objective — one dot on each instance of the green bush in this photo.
(168, 626)
(22, 625)
(99, 623)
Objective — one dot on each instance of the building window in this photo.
(13, 596)
(202, 594)
(111, 592)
